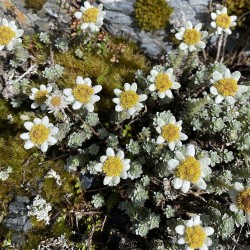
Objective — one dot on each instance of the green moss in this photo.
(34, 4)
(152, 15)
(239, 8)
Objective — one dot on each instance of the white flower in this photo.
(240, 196)
(187, 169)
(162, 82)
(56, 102)
(83, 94)
(128, 99)
(113, 166)
(194, 235)
(41, 134)
(9, 34)
(225, 86)
(4, 174)
(192, 37)
(40, 96)
(170, 132)
(222, 21)
(92, 17)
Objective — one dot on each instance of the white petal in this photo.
(243, 88)
(180, 229)
(198, 26)
(131, 111)
(227, 73)
(28, 145)
(124, 175)
(152, 87)
(28, 125)
(230, 99)
(170, 71)
(204, 247)
(117, 92)
(87, 81)
(25, 136)
(45, 120)
(233, 18)
(161, 94)
(219, 99)
(224, 10)
(126, 86)
(90, 107)
(95, 98)
(107, 180)
(190, 150)
(201, 184)
(98, 167)
(176, 85)
(133, 87)
(185, 186)
(103, 158)
(197, 220)
(236, 75)
(67, 91)
(34, 105)
(160, 122)
(213, 90)
(183, 137)
(188, 25)
(177, 183)
(209, 231)
(118, 108)
(234, 208)
(213, 15)
(171, 146)
(52, 141)
(154, 72)
(160, 140)
(179, 36)
(97, 89)
(169, 94)
(44, 147)
(78, 15)
(110, 152)
(183, 46)
(217, 76)
(181, 241)
(201, 44)
(238, 186)
(143, 98)
(120, 154)
(206, 161)
(172, 164)
(179, 155)
(77, 105)
(213, 24)
(79, 80)
(116, 100)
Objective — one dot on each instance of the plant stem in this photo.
(219, 47)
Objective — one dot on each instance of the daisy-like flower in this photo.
(113, 166)
(194, 235)
(128, 99)
(225, 86)
(240, 196)
(83, 94)
(56, 102)
(163, 82)
(39, 96)
(222, 21)
(187, 169)
(41, 134)
(9, 34)
(170, 132)
(92, 17)
(192, 37)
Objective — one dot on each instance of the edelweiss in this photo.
(170, 132)
(194, 235)
(222, 21)
(83, 94)
(9, 34)
(187, 169)
(225, 86)
(92, 17)
(128, 99)
(113, 166)
(163, 82)
(41, 134)
(192, 37)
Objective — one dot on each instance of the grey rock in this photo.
(118, 18)
(126, 7)
(18, 239)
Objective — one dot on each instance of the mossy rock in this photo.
(34, 4)
(152, 15)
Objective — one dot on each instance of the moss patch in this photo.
(152, 15)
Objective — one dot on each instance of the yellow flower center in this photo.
(227, 86)
(83, 93)
(170, 132)
(189, 170)
(6, 35)
(243, 200)
(163, 82)
(223, 21)
(129, 99)
(192, 36)
(40, 96)
(39, 134)
(90, 15)
(113, 166)
(195, 236)
(55, 101)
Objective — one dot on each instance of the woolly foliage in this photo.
(152, 15)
